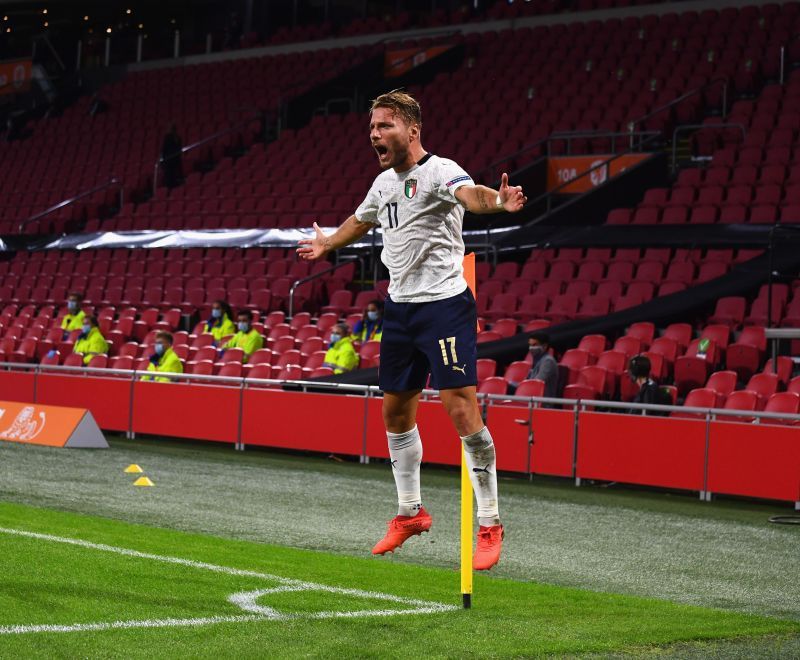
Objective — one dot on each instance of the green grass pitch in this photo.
(264, 554)
(76, 571)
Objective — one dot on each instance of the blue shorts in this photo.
(438, 337)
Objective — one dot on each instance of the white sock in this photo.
(405, 450)
(482, 461)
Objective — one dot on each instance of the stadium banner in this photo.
(402, 60)
(52, 426)
(15, 76)
(563, 169)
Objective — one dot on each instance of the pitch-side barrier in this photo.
(706, 450)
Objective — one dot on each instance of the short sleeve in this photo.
(451, 177)
(367, 211)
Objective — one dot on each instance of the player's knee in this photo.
(463, 413)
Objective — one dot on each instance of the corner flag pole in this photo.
(466, 483)
(466, 534)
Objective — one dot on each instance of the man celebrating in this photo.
(430, 316)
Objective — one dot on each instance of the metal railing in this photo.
(685, 128)
(528, 406)
(315, 276)
(784, 47)
(569, 136)
(550, 194)
(67, 202)
(686, 95)
(206, 140)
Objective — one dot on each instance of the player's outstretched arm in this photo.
(482, 199)
(348, 232)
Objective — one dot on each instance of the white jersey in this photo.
(421, 221)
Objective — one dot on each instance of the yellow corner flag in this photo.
(466, 484)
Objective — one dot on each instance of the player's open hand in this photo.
(312, 248)
(511, 196)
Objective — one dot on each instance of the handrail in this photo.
(561, 135)
(683, 97)
(242, 381)
(419, 49)
(203, 141)
(582, 135)
(114, 181)
(315, 276)
(690, 127)
(782, 77)
(550, 193)
(518, 152)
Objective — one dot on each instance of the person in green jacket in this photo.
(164, 359)
(91, 341)
(220, 324)
(341, 355)
(247, 338)
(75, 315)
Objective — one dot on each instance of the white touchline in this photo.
(245, 600)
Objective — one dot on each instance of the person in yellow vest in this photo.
(75, 315)
(341, 355)
(91, 341)
(221, 322)
(247, 338)
(163, 360)
(370, 327)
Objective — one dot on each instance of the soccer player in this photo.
(430, 316)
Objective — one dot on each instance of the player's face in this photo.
(391, 138)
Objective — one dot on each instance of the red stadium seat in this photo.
(783, 402)
(740, 400)
(486, 369)
(516, 372)
(722, 382)
(533, 387)
(493, 385)
(698, 398)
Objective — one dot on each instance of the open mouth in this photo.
(381, 150)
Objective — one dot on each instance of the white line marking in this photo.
(245, 600)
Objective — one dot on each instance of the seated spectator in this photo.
(370, 327)
(341, 355)
(649, 391)
(247, 338)
(220, 324)
(75, 315)
(544, 366)
(91, 341)
(163, 360)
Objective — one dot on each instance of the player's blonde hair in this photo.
(401, 103)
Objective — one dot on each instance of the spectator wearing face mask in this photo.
(649, 391)
(221, 322)
(163, 360)
(91, 341)
(247, 338)
(75, 315)
(370, 327)
(544, 366)
(341, 355)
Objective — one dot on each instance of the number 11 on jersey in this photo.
(391, 211)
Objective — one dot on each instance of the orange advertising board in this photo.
(15, 76)
(563, 169)
(402, 60)
(52, 426)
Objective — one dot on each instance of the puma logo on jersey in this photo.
(479, 469)
(463, 369)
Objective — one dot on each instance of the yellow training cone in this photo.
(143, 481)
(133, 469)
